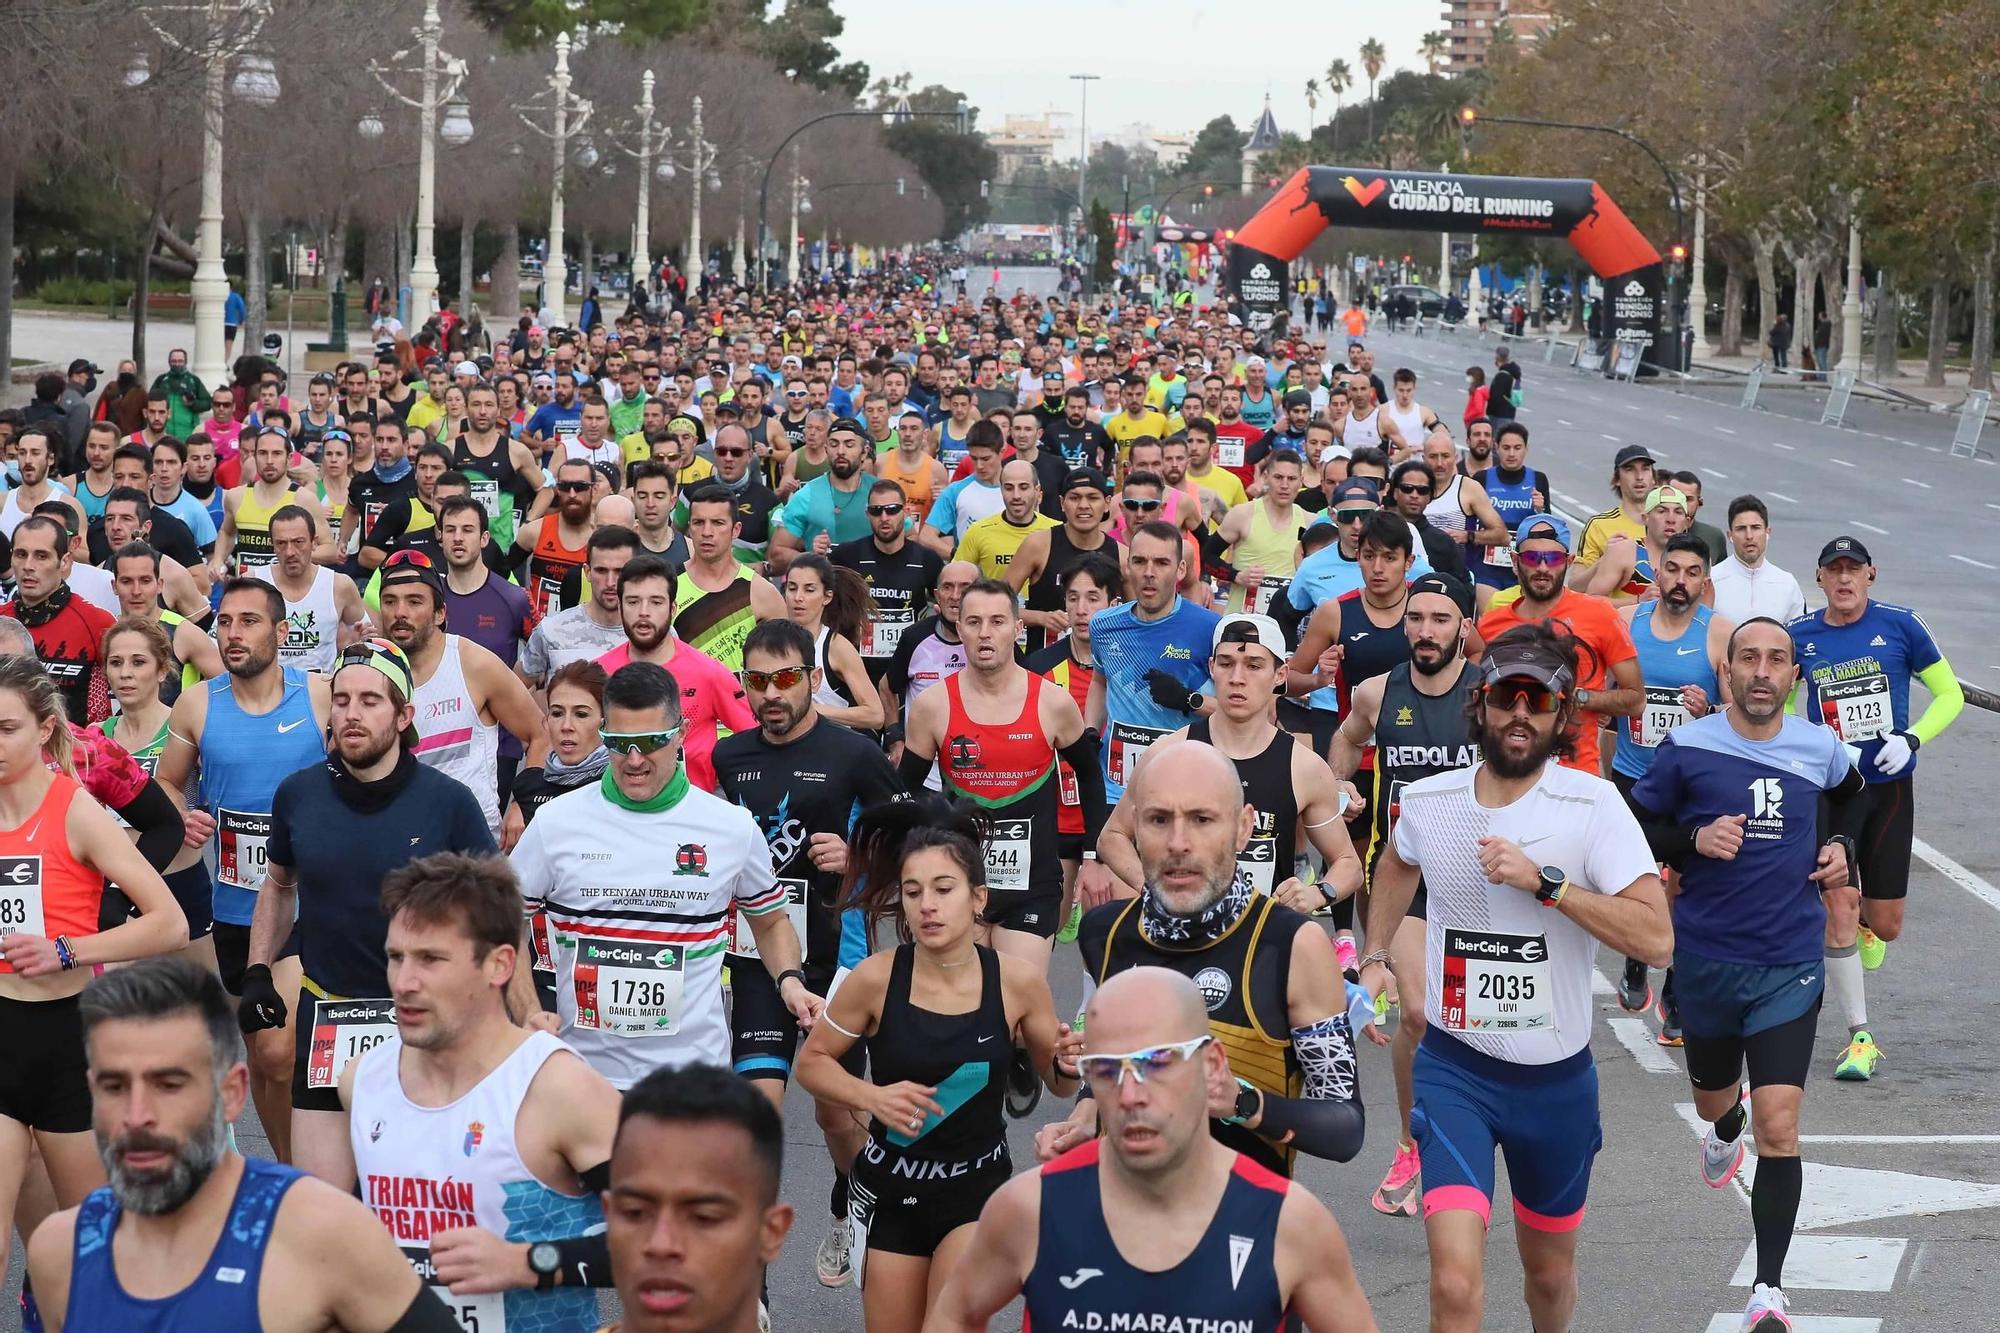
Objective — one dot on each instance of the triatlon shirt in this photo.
(899, 586)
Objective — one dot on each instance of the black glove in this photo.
(259, 1005)
(1169, 691)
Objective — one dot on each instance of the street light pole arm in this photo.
(1673, 181)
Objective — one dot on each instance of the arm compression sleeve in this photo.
(1327, 1121)
(1082, 756)
(158, 822)
(1947, 701)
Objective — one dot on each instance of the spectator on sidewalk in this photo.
(1780, 339)
(1822, 345)
(187, 397)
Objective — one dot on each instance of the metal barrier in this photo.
(1753, 386)
(1837, 398)
(1971, 422)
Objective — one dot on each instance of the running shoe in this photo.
(1872, 948)
(1348, 956)
(31, 1313)
(1669, 1010)
(1857, 1062)
(1024, 1090)
(835, 1261)
(763, 1318)
(1067, 935)
(1766, 1312)
(1719, 1160)
(1397, 1195)
(1635, 992)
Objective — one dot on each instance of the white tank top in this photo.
(423, 1169)
(1447, 512)
(452, 739)
(1410, 424)
(313, 635)
(826, 696)
(11, 513)
(1362, 432)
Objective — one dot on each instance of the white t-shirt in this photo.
(1505, 975)
(1742, 592)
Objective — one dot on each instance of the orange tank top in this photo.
(549, 564)
(917, 493)
(44, 889)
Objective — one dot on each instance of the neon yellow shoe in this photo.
(1857, 1062)
(1872, 948)
(1067, 934)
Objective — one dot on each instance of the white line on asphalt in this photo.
(1968, 560)
(1671, 416)
(1724, 430)
(1896, 1140)
(1612, 438)
(1561, 422)
(1880, 532)
(1569, 499)
(1833, 1263)
(1842, 461)
(1780, 444)
(1912, 481)
(1719, 476)
(1957, 873)
(1803, 1323)
(1913, 444)
(1636, 1037)
(1991, 505)
(1786, 498)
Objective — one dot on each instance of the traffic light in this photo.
(1467, 115)
(1677, 252)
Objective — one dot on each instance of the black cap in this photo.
(1632, 453)
(607, 470)
(1355, 488)
(1524, 660)
(1082, 478)
(1298, 398)
(1844, 548)
(1448, 586)
(82, 366)
(847, 424)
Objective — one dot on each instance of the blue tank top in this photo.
(223, 1296)
(1125, 648)
(1665, 665)
(244, 756)
(1229, 1280)
(1513, 501)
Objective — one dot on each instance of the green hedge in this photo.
(98, 293)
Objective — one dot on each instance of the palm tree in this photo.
(1339, 78)
(1372, 59)
(1435, 46)
(1312, 106)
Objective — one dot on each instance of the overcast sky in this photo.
(1173, 64)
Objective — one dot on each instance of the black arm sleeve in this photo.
(914, 769)
(153, 814)
(586, 1260)
(1328, 1120)
(1670, 843)
(1081, 755)
(1841, 815)
(1214, 559)
(1290, 619)
(427, 1314)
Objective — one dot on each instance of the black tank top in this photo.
(1371, 650)
(1267, 787)
(1045, 593)
(964, 1056)
(1416, 736)
(1228, 1281)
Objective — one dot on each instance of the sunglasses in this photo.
(1143, 506)
(784, 678)
(1412, 490)
(1352, 515)
(640, 742)
(879, 511)
(1506, 695)
(732, 453)
(573, 486)
(416, 559)
(1107, 1072)
(1542, 559)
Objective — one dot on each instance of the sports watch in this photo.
(1248, 1099)
(1552, 888)
(544, 1261)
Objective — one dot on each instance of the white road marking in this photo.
(1897, 1140)
(1785, 498)
(1724, 430)
(1869, 527)
(1833, 1263)
(1612, 438)
(1842, 461)
(1802, 1323)
(1957, 873)
(1912, 481)
(1719, 476)
(1968, 560)
(1601, 984)
(1561, 422)
(1780, 444)
(1671, 416)
(1991, 505)
(1636, 1037)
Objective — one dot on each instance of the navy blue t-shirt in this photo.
(1857, 677)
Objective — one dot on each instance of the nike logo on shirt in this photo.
(1683, 652)
(284, 727)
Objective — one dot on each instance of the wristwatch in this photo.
(1248, 1099)
(544, 1261)
(1552, 888)
(1090, 853)
(1583, 698)
(790, 972)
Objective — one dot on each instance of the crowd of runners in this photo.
(509, 772)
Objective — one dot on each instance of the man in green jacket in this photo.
(187, 397)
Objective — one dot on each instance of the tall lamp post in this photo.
(568, 115)
(702, 175)
(652, 144)
(801, 203)
(1697, 264)
(1083, 82)
(441, 76)
(230, 30)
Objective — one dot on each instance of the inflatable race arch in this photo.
(1577, 211)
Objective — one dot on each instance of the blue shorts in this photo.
(1742, 999)
(1484, 575)
(1543, 1118)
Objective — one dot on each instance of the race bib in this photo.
(1858, 710)
(486, 490)
(1007, 855)
(744, 940)
(1066, 791)
(1267, 592)
(1126, 745)
(241, 842)
(254, 562)
(538, 932)
(21, 896)
(1229, 453)
(1661, 713)
(882, 631)
(1496, 982)
(342, 1031)
(475, 1314)
(1501, 556)
(629, 988)
(1259, 860)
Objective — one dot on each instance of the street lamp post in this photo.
(700, 158)
(1850, 302)
(1697, 262)
(569, 116)
(441, 76)
(652, 144)
(801, 203)
(1083, 82)
(256, 82)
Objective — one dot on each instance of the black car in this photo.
(1428, 302)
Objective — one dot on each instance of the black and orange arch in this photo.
(1578, 211)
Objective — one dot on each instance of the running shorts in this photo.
(896, 1215)
(1542, 1118)
(232, 952)
(1738, 1013)
(764, 1036)
(191, 889)
(45, 1080)
(1887, 833)
(1030, 911)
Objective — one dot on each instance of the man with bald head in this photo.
(992, 542)
(1146, 1221)
(1266, 973)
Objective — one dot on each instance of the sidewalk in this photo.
(59, 337)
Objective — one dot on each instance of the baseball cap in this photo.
(1355, 488)
(413, 567)
(1445, 585)
(466, 368)
(846, 424)
(83, 365)
(728, 409)
(1085, 478)
(1255, 362)
(1844, 548)
(1246, 628)
(394, 664)
(1632, 453)
(1542, 525)
(1524, 660)
(1298, 398)
(1666, 495)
